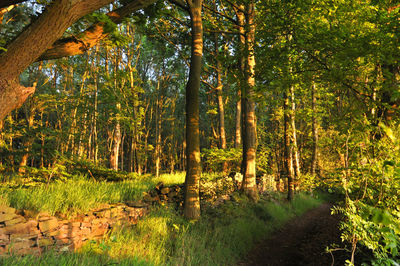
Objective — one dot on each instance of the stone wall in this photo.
(22, 234)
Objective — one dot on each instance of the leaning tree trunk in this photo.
(249, 186)
(192, 181)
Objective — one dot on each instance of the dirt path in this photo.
(302, 241)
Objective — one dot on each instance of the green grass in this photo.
(222, 236)
(69, 259)
(80, 194)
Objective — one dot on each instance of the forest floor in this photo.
(302, 241)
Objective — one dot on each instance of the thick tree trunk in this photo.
(249, 186)
(193, 172)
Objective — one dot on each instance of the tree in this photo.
(36, 39)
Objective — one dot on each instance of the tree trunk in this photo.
(193, 172)
(314, 156)
(288, 161)
(249, 186)
(294, 135)
(158, 128)
(238, 131)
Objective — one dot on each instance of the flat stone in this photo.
(137, 204)
(48, 225)
(6, 209)
(45, 242)
(62, 241)
(86, 225)
(4, 239)
(22, 237)
(103, 214)
(4, 217)
(66, 248)
(22, 228)
(74, 224)
(16, 220)
(43, 216)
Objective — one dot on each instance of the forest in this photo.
(199, 132)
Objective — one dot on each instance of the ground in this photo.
(302, 241)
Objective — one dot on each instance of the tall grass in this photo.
(223, 236)
(80, 194)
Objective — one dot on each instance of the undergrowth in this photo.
(79, 194)
(223, 235)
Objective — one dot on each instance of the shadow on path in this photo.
(302, 241)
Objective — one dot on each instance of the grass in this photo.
(80, 194)
(222, 236)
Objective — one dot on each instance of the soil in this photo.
(302, 241)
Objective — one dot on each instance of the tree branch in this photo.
(6, 3)
(93, 35)
(180, 3)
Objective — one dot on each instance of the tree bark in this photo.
(193, 172)
(249, 186)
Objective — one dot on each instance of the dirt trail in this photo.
(302, 241)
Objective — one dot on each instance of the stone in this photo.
(103, 213)
(74, 224)
(48, 225)
(16, 220)
(43, 216)
(137, 204)
(4, 217)
(45, 242)
(22, 228)
(98, 231)
(4, 239)
(66, 248)
(6, 209)
(86, 225)
(25, 244)
(22, 237)
(62, 241)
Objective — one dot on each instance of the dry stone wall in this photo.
(21, 234)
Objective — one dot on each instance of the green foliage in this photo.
(213, 159)
(372, 189)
